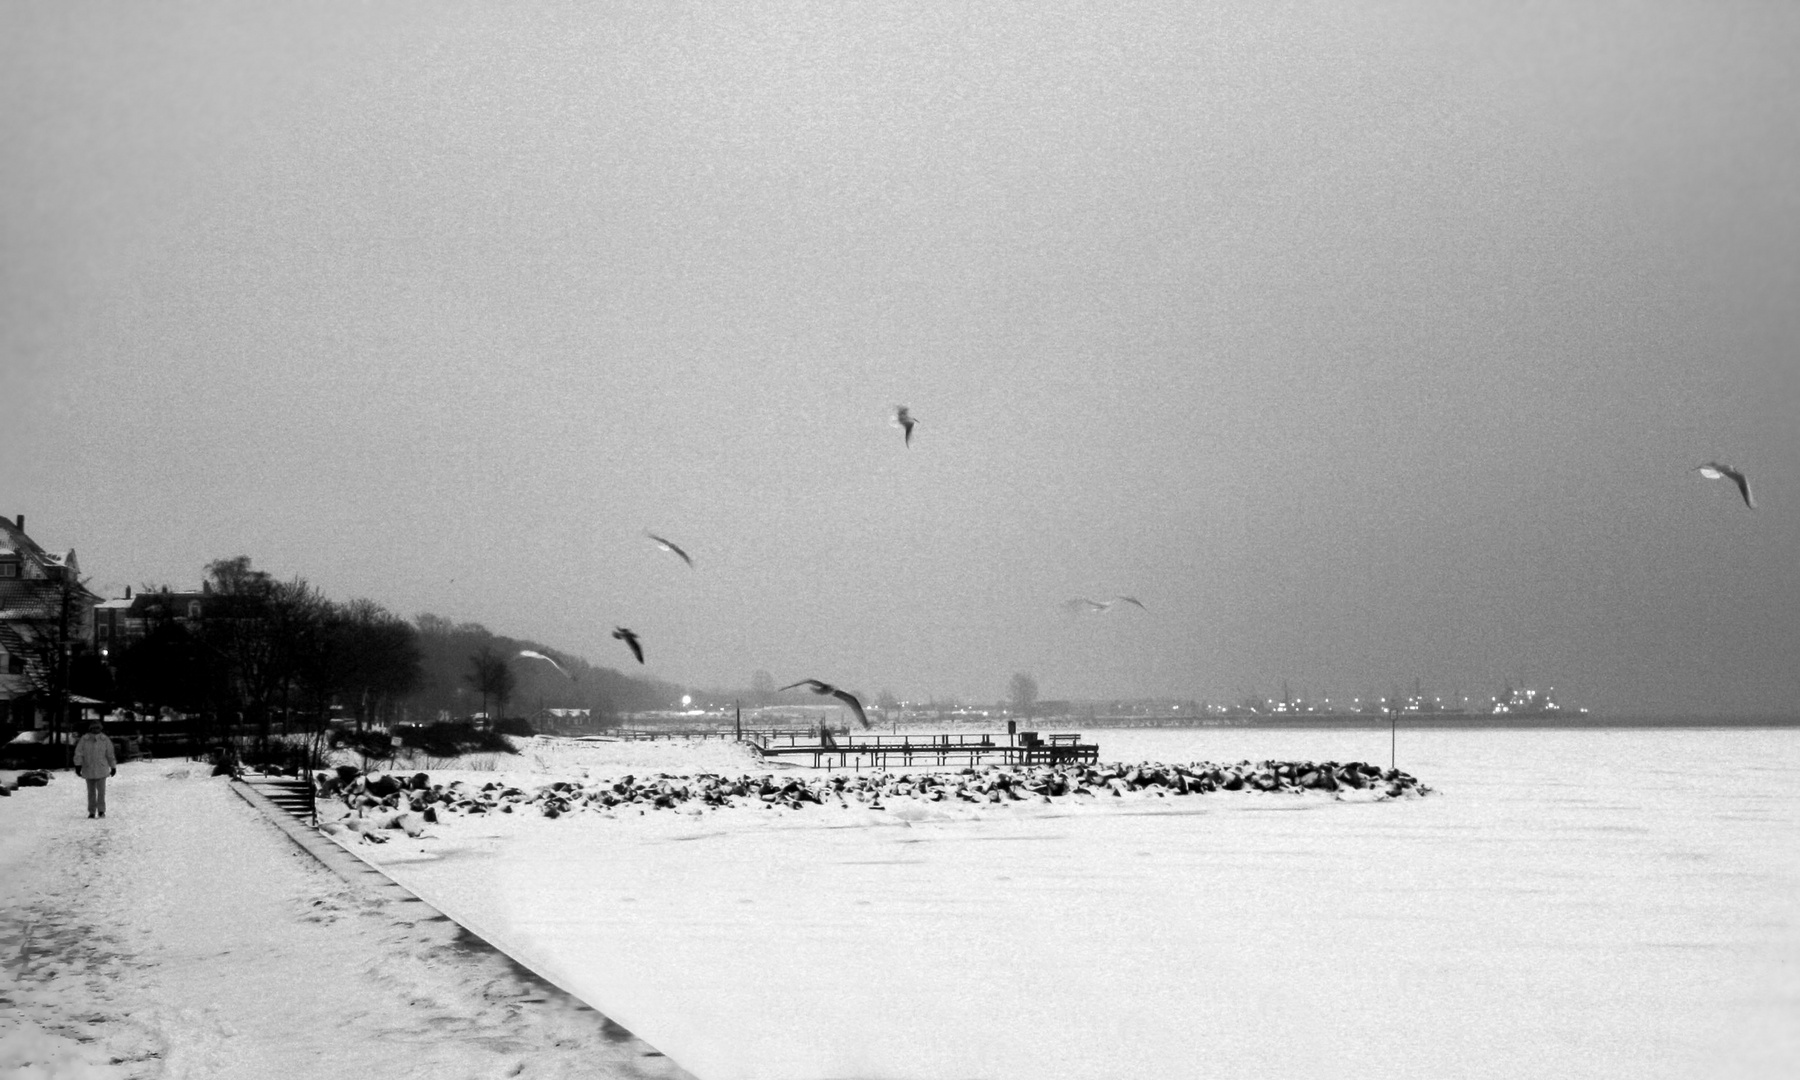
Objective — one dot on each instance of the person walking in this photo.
(95, 761)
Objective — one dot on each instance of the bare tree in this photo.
(383, 656)
(434, 625)
(490, 676)
(1023, 692)
(762, 687)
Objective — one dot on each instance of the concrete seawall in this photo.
(631, 1057)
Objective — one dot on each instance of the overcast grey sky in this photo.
(1363, 342)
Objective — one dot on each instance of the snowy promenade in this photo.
(185, 936)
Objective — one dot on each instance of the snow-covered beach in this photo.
(185, 936)
(1598, 903)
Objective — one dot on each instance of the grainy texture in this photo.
(183, 935)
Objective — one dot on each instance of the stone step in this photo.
(286, 793)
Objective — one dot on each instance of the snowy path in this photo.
(184, 936)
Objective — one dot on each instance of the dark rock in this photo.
(382, 786)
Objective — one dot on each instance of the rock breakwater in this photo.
(386, 801)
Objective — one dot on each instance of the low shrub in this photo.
(449, 740)
(288, 757)
(368, 743)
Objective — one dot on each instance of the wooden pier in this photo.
(882, 751)
(624, 734)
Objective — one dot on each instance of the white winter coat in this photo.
(94, 758)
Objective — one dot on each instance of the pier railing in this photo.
(637, 734)
(950, 748)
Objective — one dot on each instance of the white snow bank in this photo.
(183, 935)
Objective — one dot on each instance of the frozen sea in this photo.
(1568, 903)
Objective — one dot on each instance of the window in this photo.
(9, 568)
(193, 609)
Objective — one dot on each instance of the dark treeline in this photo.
(459, 660)
(260, 656)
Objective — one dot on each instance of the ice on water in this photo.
(1569, 903)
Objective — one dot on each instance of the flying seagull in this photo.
(535, 655)
(1082, 604)
(1712, 470)
(903, 417)
(844, 696)
(630, 639)
(667, 545)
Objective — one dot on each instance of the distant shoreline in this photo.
(1415, 721)
(1501, 723)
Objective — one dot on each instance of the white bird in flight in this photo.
(903, 419)
(844, 696)
(669, 545)
(1712, 470)
(1081, 604)
(535, 655)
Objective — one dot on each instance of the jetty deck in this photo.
(883, 751)
(646, 734)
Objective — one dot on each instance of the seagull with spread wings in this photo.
(669, 545)
(1712, 470)
(903, 418)
(844, 696)
(630, 639)
(1081, 605)
(535, 655)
